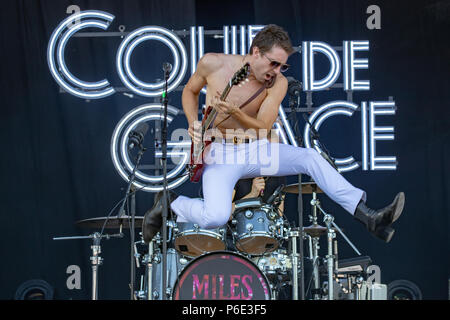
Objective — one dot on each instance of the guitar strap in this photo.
(267, 84)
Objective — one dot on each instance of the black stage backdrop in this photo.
(56, 163)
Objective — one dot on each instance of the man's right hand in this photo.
(195, 134)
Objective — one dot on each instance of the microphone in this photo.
(275, 194)
(136, 136)
(294, 86)
(294, 90)
(167, 67)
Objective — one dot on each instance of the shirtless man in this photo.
(267, 58)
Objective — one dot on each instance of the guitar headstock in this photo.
(240, 75)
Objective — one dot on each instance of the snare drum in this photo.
(256, 229)
(192, 241)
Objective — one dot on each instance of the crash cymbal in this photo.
(112, 223)
(307, 188)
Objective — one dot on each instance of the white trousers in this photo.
(226, 163)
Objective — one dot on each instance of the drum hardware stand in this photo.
(148, 260)
(331, 234)
(339, 230)
(314, 257)
(359, 281)
(300, 224)
(294, 234)
(332, 254)
(274, 292)
(96, 260)
(314, 248)
(137, 254)
(139, 295)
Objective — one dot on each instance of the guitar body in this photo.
(196, 163)
(195, 167)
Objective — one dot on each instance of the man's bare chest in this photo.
(238, 95)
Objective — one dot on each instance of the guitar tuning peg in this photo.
(246, 80)
(240, 85)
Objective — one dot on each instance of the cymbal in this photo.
(307, 188)
(315, 230)
(112, 223)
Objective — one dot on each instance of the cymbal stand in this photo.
(294, 234)
(149, 262)
(339, 230)
(314, 248)
(331, 235)
(96, 260)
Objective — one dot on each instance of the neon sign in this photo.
(351, 61)
(57, 45)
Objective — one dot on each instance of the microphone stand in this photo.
(299, 138)
(133, 212)
(315, 139)
(165, 102)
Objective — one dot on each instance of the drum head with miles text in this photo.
(221, 275)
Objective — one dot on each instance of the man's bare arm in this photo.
(268, 112)
(209, 63)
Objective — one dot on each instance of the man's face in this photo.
(263, 63)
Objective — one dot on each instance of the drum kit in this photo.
(242, 260)
(254, 257)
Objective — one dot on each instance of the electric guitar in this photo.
(195, 167)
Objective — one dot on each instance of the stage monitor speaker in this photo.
(403, 290)
(34, 290)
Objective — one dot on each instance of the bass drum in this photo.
(221, 275)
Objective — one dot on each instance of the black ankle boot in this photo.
(153, 218)
(378, 222)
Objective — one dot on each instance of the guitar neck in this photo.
(212, 115)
